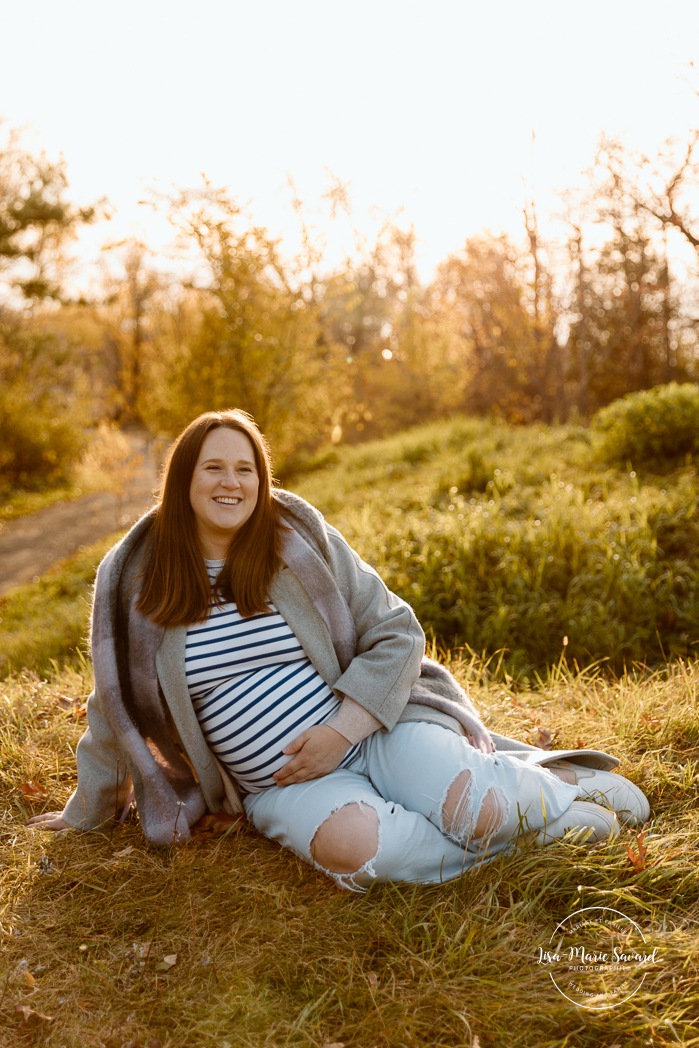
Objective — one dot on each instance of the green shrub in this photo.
(653, 427)
(552, 559)
(475, 474)
(41, 409)
(39, 442)
(593, 581)
(510, 542)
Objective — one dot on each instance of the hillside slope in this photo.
(517, 543)
(513, 544)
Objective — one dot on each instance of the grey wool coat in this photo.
(143, 739)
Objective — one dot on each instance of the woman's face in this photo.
(224, 488)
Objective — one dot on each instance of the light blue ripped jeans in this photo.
(405, 776)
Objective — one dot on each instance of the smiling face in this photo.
(223, 490)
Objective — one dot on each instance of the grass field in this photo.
(520, 541)
(229, 941)
(518, 545)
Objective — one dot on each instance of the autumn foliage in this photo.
(531, 331)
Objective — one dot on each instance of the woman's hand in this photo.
(49, 820)
(477, 733)
(315, 753)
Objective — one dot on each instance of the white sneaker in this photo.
(613, 791)
(585, 823)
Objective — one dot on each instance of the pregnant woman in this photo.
(246, 658)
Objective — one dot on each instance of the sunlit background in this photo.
(389, 212)
(447, 114)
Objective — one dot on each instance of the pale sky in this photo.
(426, 109)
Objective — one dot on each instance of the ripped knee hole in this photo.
(459, 819)
(347, 839)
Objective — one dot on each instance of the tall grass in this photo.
(510, 542)
(231, 941)
(520, 541)
(46, 622)
(507, 543)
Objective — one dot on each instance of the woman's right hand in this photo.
(49, 820)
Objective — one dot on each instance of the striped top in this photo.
(253, 689)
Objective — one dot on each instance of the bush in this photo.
(654, 427)
(552, 558)
(39, 442)
(41, 431)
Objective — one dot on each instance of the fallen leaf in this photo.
(216, 823)
(373, 980)
(29, 979)
(33, 790)
(545, 738)
(75, 707)
(167, 963)
(639, 859)
(28, 1014)
(123, 852)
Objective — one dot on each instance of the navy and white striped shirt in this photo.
(254, 690)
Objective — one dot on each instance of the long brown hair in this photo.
(175, 588)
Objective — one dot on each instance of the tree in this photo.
(40, 396)
(504, 347)
(627, 331)
(252, 339)
(669, 190)
(617, 335)
(545, 311)
(35, 220)
(356, 310)
(127, 320)
(395, 363)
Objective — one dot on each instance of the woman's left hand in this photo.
(477, 734)
(49, 820)
(316, 752)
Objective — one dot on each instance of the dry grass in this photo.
(264, 951)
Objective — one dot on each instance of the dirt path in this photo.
(33, 544)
